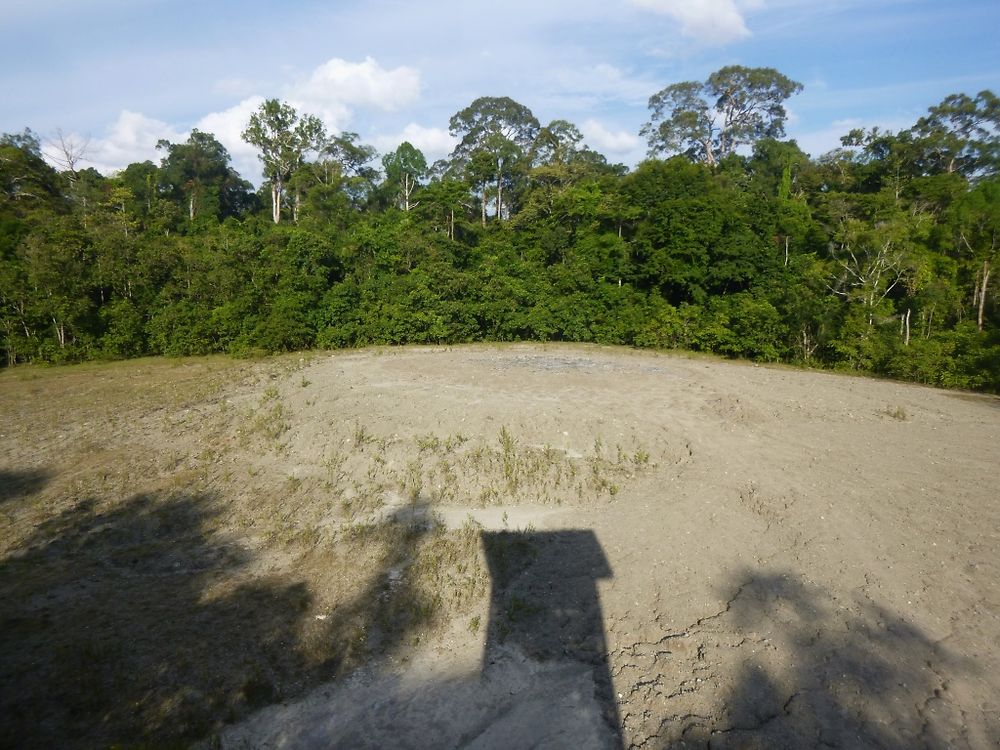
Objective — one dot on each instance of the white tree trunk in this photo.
(709, 154)
(499, 189)
(276, 201)
(982, 292)
(60, 333)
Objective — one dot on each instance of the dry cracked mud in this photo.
(486, 547)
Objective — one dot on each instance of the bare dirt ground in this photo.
(517, 546)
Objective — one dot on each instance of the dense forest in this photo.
(876, 257)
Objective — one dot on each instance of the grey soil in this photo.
(665, 551)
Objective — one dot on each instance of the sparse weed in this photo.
(269, 423)
(272, 423)
(209, 455)
(898, 413)
(361, 436)
(454, 441)
(334, 464)
(508, 454)
(413, 480)
(489, 496)
(428, 443)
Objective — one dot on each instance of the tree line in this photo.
(878, 256)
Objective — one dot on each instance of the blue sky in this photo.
(125, 73)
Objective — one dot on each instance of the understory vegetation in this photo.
(875, 257)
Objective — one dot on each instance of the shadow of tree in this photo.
(818, 672)
(379, 617)
(16, 485)
(112, 631)
(140, 622)
(786, 664)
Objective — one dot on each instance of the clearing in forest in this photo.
(495, 546)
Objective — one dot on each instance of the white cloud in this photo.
(601, 82)
(132, 138)
(434, 143)
(332, 91)
(337, 85)
(818, 142)
(792, 117)
(608, 142)
(227, 127)
(708, 21)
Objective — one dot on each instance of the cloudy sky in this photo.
(126, 73)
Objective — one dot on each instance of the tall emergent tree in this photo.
(975, 223)
(961, 135)
(496, 136)
(556, 143)
(354, 159)
(198, 175)
(283, 139)
(404, 168)
(708, 121)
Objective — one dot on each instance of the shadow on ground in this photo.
(545, 604)
(808, 670)
(111, 633)
(785, 665)
(543, 679)
(17, 485)
(139, 623)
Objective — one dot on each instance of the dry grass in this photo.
(172, 557)
(163, 572)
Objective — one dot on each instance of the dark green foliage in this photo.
(196, 176)
(880, 257)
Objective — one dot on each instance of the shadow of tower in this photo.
(545, 606)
